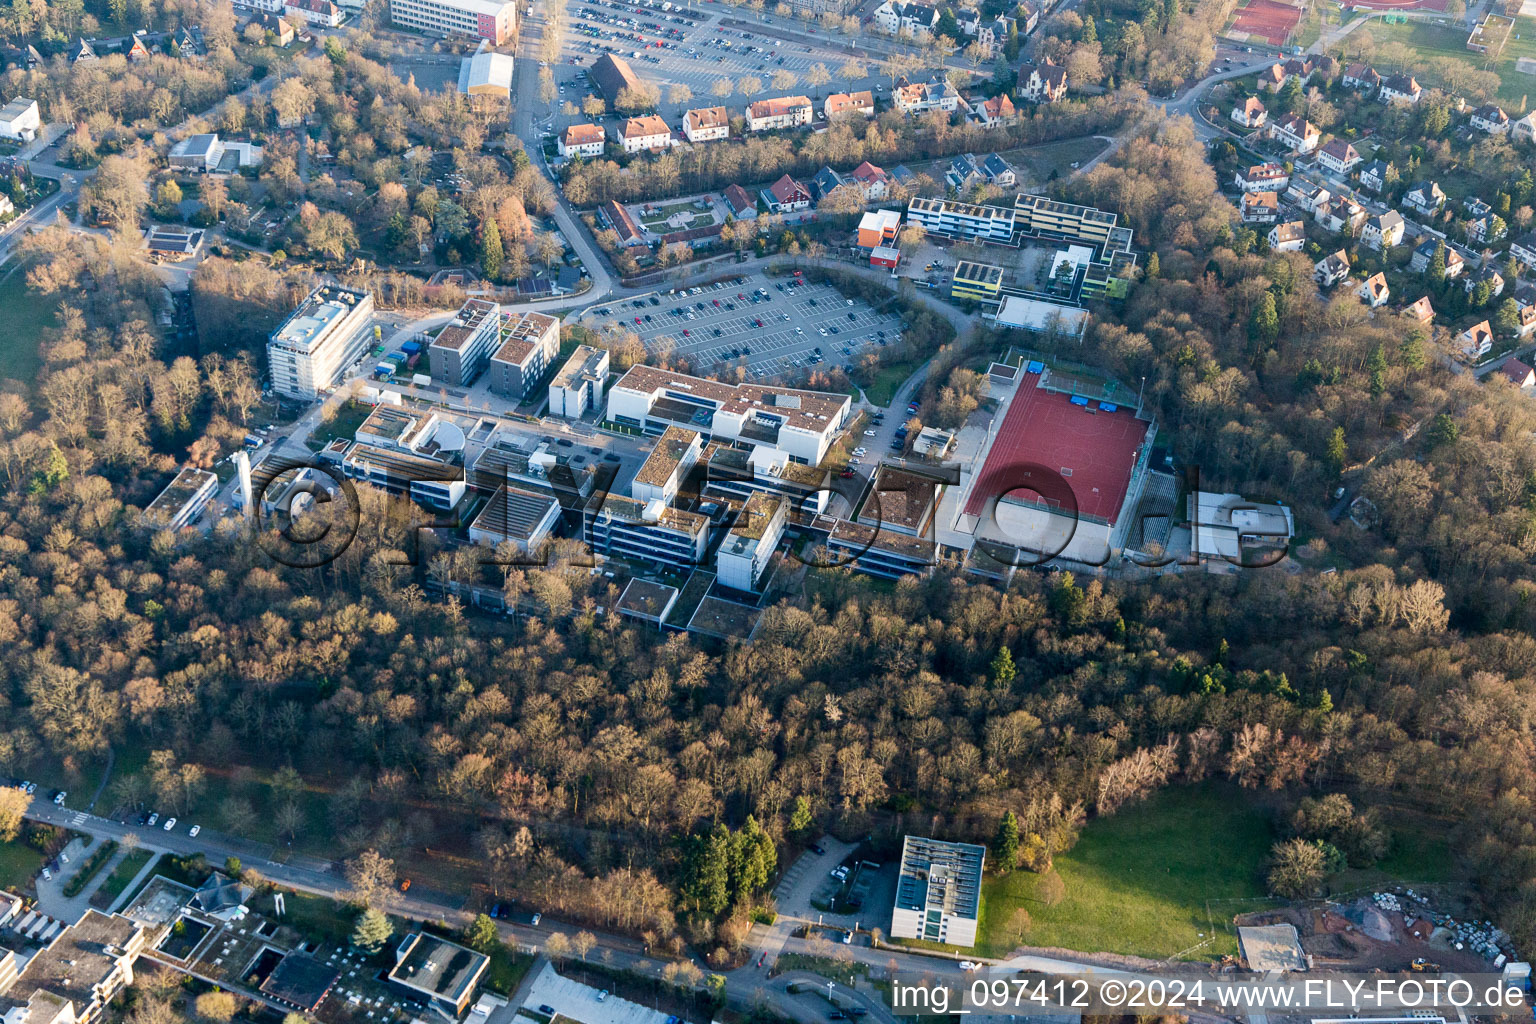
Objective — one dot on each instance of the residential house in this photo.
(581, 140)
(1383, 230)
(1475, 207)
(82, 52)
(916, 20)
(1272, 78)
(1028, 17)
(1518, 373)
(1475, 341)
(646, 134)
(871, 180)
(137, 51)
(962, 172)
(1288, 237)
(1524, 249)
(780, 112)
(969, 20)
(992, 34)
(1250, 113)
(995, 111)
(1420, 310)
(1042, 83)
(706, 124)
(1374, 175)
(1400, 89)
(1374, 291)
(998, 171)
(1330, 270)
(1486, 274)
(1338, 156)
(190, 44)
(740, 201)
(1307, 196)
(1524, 130)
(1295, 133)
(1425, 198)
(1259, 207)
(1361, 76)
(824, 182)
(1424, 255)
(320, 13)
(1270, 177)
(1491, 119)
(1341, 215)
(847, 104)
(916, 97)
(623, 223)
(1297, 67)
(786, 196)
(1486, 230)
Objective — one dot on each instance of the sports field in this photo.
(1268, 21)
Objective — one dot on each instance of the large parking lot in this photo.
(771, 326)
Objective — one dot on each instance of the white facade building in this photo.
(579, 384)
(748, 547)
(19, 119)
(319, 340)
(938, 891)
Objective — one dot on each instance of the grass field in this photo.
(19, 864)
(1138, 881)
(118, 880)
(882, 390)
(1431, 40)
(25, 316)
(93, 864)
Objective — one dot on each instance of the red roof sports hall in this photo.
(1065, 443)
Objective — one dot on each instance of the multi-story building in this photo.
(319, 340)
(1295, 133)
(1399, 89)
(748, 547)
(661, 476)
(879, 228)
(645, 531)
(978, 282)
(1426, 198)
(962, 220)
(183, 499)
(1524, 130)
(1476, 341)
(995, 111)
(801, 423)
(516, 516)
(431, 480)
(73, 977)
(1384, 230)
(321, 13)
(871, 180)
(1490, 118)
(1361, 76)
(440, 973)
(1373, 291)
(644, 134)
(1042, 83)
(1288, 237)
(1250, 113)
(1307, 196)
(1270, 177)
(1341, 215)
(1424, 256)
(462, 350)
(529, 342)
(492, 20)
(1374, 175)
(1338, 156)
(786, 196)
(1330, 270)
(874, 551)
(706, 124)
(780, 112)
(612, 76)
(739, 473)
(917, 97)
(582, 140)
(916, 20)
(1259, 207)
(938, 891)
(579, 384)
(1524, 249)
(847, 104)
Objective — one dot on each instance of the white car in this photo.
(194, 831)
(170, 823)
(535, 920)
(47, 875)
(969, 965)
(870, 433)
(59, 799)
(861, 452)
(153, 818)
(848, 939)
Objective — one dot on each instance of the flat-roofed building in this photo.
(979, 282)
(749, 545)
(645, 531)
(462, 350)
(938, 891)
(878, 228)
(300, 981)
(739, 473)
(661, 475)
(442, 973)
(579, 384)
(183, 499)
(529, 342)
(961, 220)
(434, 482)
(801, 423)
(647, 601)
(1243, 532)
(491, 20)
(902, 502)
(525, 518)
(72, 978)
(314, 346)
(883, 553)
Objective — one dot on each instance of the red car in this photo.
(758, 322)
(685, 332)
(846, 474)
(717, 302)
(637, 319)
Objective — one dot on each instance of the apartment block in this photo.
(979, 282)
(491, 20)
(781, 112)
(706, 124)
(962, 220)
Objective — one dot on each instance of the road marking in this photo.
(78, 819)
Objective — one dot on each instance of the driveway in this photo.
(807, 876)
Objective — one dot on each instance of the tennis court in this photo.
(1267, 20)
(1092, 444)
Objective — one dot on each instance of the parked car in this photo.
(58, 799)
(536, 918)
(602, 995)
(154, 817)
(194, 830)
(817, 849)
(546, 1008)
(170, 823)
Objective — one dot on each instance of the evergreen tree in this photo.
(1003, 670)
(800, 820)
(706, 882)
(1337, 449)
(1442, 431)
(371, 931)
(1437, 264)
(1378, 367)
(1153, 267)
(481, 935)
(1264, 324)
(1411, 352)
(1005, 845)
(1507, 320)
(1090, 31)
(491, 254)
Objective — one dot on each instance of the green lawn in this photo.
(118, 880)
(92, 866)
(25, 316)
(507, 970)
(1431, 40)
(882, 390)
(19, 864)
(1138, 882)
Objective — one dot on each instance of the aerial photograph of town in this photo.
(767, 511)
